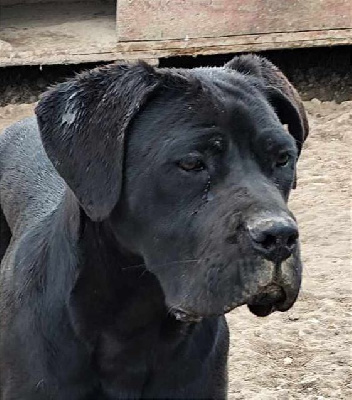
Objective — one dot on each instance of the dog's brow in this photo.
(211, 138)
(208, 131)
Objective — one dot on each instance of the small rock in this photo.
(316, 101)
(308, 382)
(288, 360)
(293, 317)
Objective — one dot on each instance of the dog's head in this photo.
(192, 169)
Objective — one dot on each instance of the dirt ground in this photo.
(305, 353)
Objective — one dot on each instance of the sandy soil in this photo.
(305, 353)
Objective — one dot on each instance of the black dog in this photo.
(138, 208)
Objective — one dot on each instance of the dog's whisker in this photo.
(177, 262)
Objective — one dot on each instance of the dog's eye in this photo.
(283, 159)
(192, 162)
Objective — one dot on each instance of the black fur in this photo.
(5, 235)
(125, 212)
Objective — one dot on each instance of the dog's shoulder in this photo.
(30, 187)
(19, 141)
(17, 132)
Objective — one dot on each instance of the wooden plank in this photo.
(234, 44)
(48, 58)
(180, 19)
(153, 50)
(340, 36)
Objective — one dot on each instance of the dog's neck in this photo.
(113, 290)
(103, 296)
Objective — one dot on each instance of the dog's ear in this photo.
(281, 94)
(83, 123)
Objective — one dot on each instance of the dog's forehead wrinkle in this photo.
(221, 81)
(275, 134)
(213, 109)
(237, 99)
(176, 136)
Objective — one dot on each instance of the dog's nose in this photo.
(275, 238)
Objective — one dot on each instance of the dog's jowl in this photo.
(137, 208)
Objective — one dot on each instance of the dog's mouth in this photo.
(271, 298)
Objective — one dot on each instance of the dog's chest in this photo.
(122, 365)
(126, 364)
